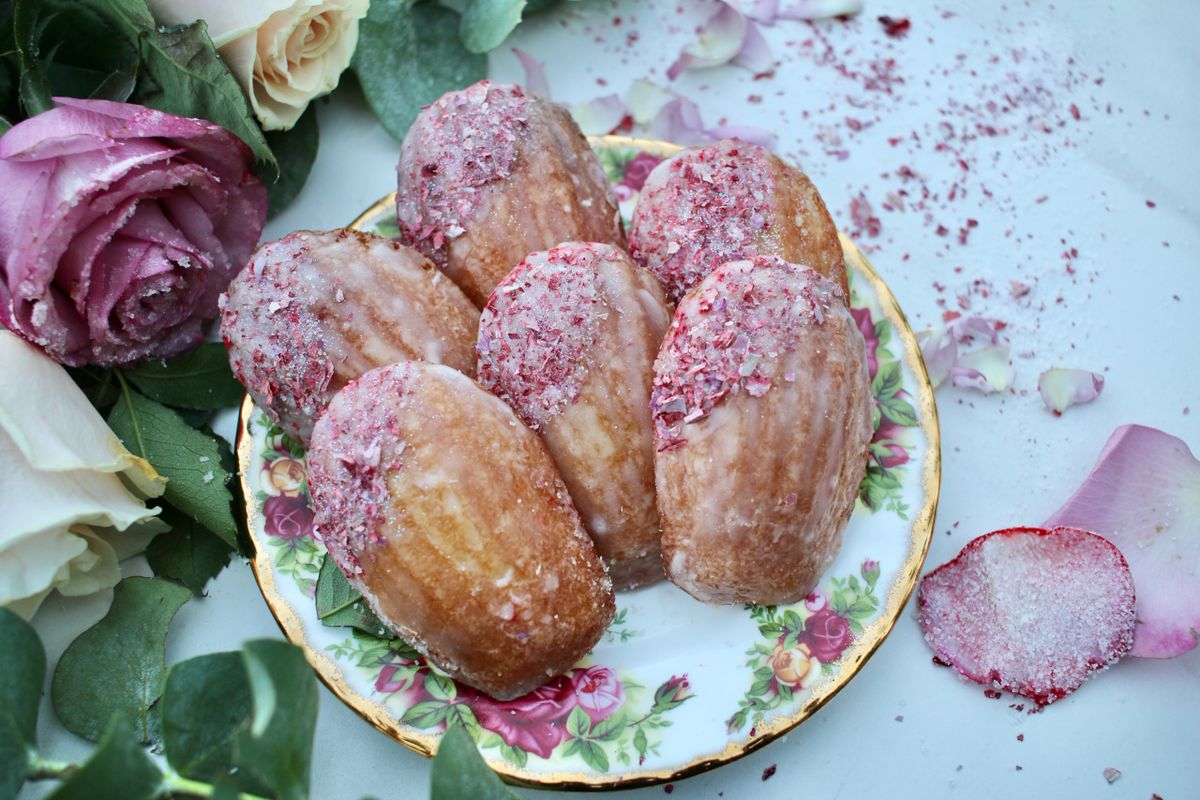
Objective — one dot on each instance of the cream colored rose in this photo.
(71, 494)
(283, 52)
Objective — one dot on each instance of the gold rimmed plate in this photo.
(674, 687)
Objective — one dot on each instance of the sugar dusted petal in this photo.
(755, 54)
(1062, 388)
(645, 99)
(679, 122)
(719, 42)
(1033, 611)
(987, 369)
(966, 329)
(940, 351)
(535, 74)
(1143, 495)
(820, 9)
(600, 116)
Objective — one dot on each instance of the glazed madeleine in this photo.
(568, 339)
(448, 515)
(314, 310)
(762, 409)
(489, 174)
(730, 200)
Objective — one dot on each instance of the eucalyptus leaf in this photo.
(408, 57)
(487, 23)
(14, 758)
(205, 705)
(459, 771)
(198, 379)
(296, 151)
(119, 769)
(537, 6)
(117, 667)
(340, 606)
(277, 747)
(182, 74)
(188, 553)
(188, 458)
(22, 674)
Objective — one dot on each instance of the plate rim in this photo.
(331, 674)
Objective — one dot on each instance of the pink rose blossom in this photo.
(287, 517)
(638, 169)
(598, 691)
(815, 601)
(827, 634)
(866, 326)
(888, 432)
(119, 228)
(535, 723)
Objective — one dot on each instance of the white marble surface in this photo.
(1128, 310)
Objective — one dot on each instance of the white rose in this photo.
(283, 52)
(71, 494)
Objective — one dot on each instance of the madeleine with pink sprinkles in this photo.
(568, 340)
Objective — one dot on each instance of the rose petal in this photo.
(600, 116)
(764, 11)
(1063, 388)
(679, 121)
(747, 133)
(940, 352)
(1143, 495)
(755, 54)
(965, 329)
(821, 9)
(987, 369)
(1033, 611)
(645, 100)
(535, 74)
(719, 42)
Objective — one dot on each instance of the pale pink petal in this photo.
(679, 122)
(600, 116)
(1143, 495)
(719, 42)
(820, 9)
(764, 11)
(645, 99)
(535, 74)
(1063, 388)
(987, 369)
(964, 329)
(747, 133)
(755, 54)
(940, 351)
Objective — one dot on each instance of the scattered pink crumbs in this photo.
(700, 209)
(355, 445)
(538, 327)
(1033, 611)
(460, 144)
(725, 334)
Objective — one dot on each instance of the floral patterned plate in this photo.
(674, 687)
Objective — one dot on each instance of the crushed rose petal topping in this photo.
(460, 144)
(700, 209)
(727, 332)
(536, 332)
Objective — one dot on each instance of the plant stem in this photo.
(176, 785)
(41, 769)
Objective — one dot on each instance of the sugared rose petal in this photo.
(535, 74)
(1062, 388)
(987, 369)
(1033, 611)
(600, 116)
(1143, 495)
(718, 42)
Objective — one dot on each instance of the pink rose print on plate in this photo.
(287, 517)
(827, 634)
(866, 326)
(535, 723)
(638, 169)
(597, 691)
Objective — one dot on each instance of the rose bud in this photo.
(119, 227)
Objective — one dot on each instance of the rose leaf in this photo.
(340, 606)
(459, 771)
(188, 458)
(408, 58)
(182, 74)
(119, 769)
(199, 379)
(277, 746)
(84, 54)
(118, 665)
(187, 553)
(296, 151)
(206, 703)
(35, 86)
(487, 23)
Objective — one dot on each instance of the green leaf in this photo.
(35, 86)
(85, 55)
(118, 665)
(296, 150)
(188, 458)
(640, 743)
(14, 758)
(182, 74)
(187, 553)
(277, 748)
(579, 723)
(340, 606)
(487, 23)
(22, 675)
(408, 57)
(440, 687)
(899, 411)
(888, 379)
(460, 772)
(611, 729)
(198, 379)
(426, 714)
(594, 756)
(119, 769)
